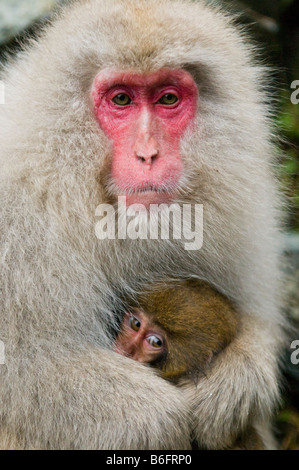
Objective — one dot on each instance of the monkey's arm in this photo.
(242, 382)
(91, 399)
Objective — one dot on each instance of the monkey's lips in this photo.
(147, 196)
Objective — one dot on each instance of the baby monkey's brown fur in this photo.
(198, 321)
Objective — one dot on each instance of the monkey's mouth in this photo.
(145, 194)
(148, 195)
(149, 189)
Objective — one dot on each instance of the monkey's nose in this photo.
(131, 349)
(147, 158)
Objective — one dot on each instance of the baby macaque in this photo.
(178, 329)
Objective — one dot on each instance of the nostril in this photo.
(149, 159)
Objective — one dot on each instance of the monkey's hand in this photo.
(240, 389)
(96, 399)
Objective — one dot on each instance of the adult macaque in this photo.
(178, 329)
(158, 101)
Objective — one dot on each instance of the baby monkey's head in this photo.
(177, 329)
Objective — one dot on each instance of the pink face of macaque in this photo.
(140, 339)
(145, 116)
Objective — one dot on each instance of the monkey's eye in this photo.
(122, 99)
(154, 341)
(134, 323)
(168, 99)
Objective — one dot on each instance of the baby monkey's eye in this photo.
(168, 99)
(154, 341)
(122, 99)
(134, 323)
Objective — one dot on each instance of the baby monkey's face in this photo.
(140, 338)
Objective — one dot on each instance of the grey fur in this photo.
(62, 387)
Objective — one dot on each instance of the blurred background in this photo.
(274, 27)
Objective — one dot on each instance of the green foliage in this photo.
(274, 24)
(287, 424)
(288, 121)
